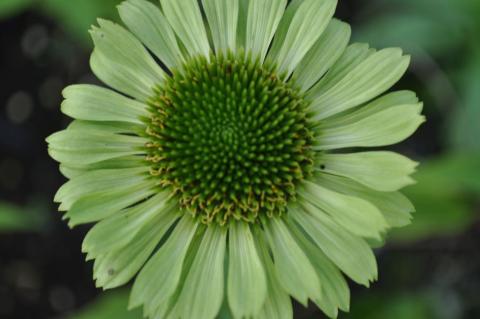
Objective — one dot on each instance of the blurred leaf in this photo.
(375, 306)
(111, 305)
(466, 126)
(443, 197)
(77, 17)
(12, 7)
(14, 218)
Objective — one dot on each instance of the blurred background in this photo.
(429, 270)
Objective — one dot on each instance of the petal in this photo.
(292, 268)
(242, 22)
(97, 206)
(300, 28)
(202, 294)
(387, 127)
(354, 214)
(349, 252)
(148, 24)
(323, 54)
(99, 180)
(94, 103)
(223, 20)
(365, 81)
(381, 171)
(117, 231)
(387, 101)
(278, 304)
(71, 172)
(395, 207)
(335, 290)
(247, 283)
(121, 61)
(83, 147)
(187, 22)
(116, 268)
(160, 277)
(262, 22)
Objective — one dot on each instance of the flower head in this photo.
(215, 166)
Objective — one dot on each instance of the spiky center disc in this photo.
(230, 137)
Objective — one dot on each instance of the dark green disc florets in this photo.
(230, 137)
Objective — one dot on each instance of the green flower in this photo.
(212, 166)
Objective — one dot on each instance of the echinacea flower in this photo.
(223, 166)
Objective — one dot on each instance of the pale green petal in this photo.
(71, 172)
(82, 147)
(262, 22)
(203, 292)
(223, 20)
(381, 104)
(117, 231)
(300, 29)
(247, 283)
(97, 206)
(323, 55)
(335, 290)
(354, 214)
(94, 103)
(242, 22)
(292, 268)
(278, 304)
(381, 171)
(117, 267)
(349, 252)
(395, 207)
(122, 62)
(367, 80)
(353, 56)
(99, 180)
(147, 22)
(186, 20)
(387, 127)
(160, 277)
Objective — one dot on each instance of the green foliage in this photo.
(12, 7)
(108, 306)
(17, 219)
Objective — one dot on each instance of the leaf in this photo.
(11, 7)
(107, 306)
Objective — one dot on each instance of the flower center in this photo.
(230, 137)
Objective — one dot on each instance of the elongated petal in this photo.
(292, 268)
(117, 231)
(382, 171)
(202, 294)
(278, 304)
(335, 291)
(121, 61)
(394, 206)
(349, 252)
(354, 214)
(147, 22)
(97, 206)
(383, 128)
(187, 22)
(323, 54)
(72, 171)
(242, 22)
(301, 31)
(247, 283)
(262, 22)
(81, 147)
(99, 180)
(160, 277)
(223, 20)
(93, 103)
(367, 80)
(117, 267)
(381, 104)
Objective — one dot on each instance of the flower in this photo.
(215, 166)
